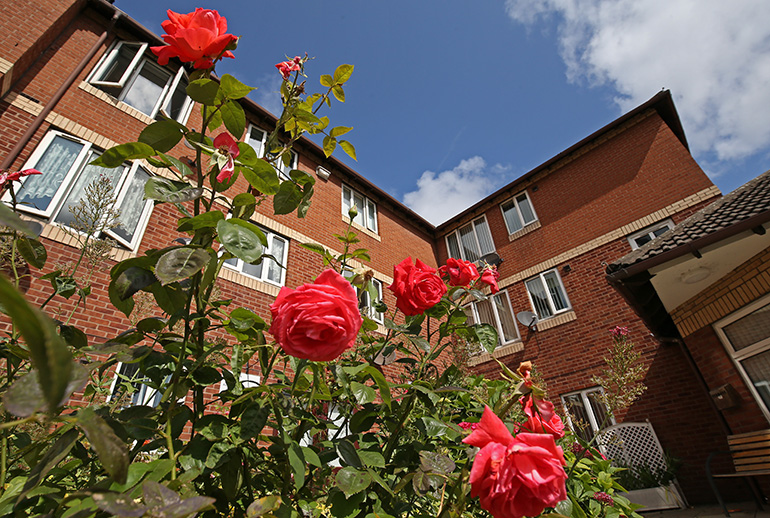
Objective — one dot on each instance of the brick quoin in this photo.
(635, 167)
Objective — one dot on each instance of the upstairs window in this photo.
(64, 161)
(471, 241)
(367, 209)
(256, 138)
(129, 76)
(518, 212)
(546, 292)
(497, 312)
(646, 235)
(267, 270)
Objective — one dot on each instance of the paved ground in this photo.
(737, 510)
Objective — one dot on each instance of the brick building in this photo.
(69, 89)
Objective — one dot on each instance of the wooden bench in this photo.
(750, 453)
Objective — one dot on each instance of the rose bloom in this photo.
(226, 146)
(542, 418)
(416, 286)
(490, 276)
(317, 321)
(287, 67)
(515, 476)
(459, 272)
(619, 331)
(198, 37)
(8, 177)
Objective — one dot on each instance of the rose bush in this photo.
(317, 321)
(199, 38)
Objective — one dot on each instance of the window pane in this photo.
(38, 190)
(145, 91)
(255, 270)
(358, 201)
(507, 322)
(758, 369)
(581, 424)
(554, 288)
(599, 410)
(117, 68)
(371, 216)
(256, 140)
(277, 250)
(469, 313)
(468, 240)
(132, 205)
(749, 329)
(642, 240)
(539, 298)
(347, 197)
(87, 176)
(526, 209)
(662, 230)
(485, 238)
(486, 315)
(178, 99)
(511, 217)
(454, 248)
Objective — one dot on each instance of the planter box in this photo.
(656, 498)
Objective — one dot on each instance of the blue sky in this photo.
(451, 100)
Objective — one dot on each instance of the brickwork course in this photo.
(630, 175)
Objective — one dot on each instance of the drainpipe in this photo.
(54, 100)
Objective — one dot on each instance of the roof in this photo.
(744, 208)
(662, 102)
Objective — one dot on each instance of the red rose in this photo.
(515, 476)
(227, 148)
(459, 271)
(317, 321)
(198, 37)
(416, 286)
(490, 276)
(542, 418)
(7, 177)
(287, 67)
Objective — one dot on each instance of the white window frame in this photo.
(364, 298)
(248, 380)
(551, 305)
(145, 395)
(56, 204)
(498, 324)
(270, 235)
(649, 232)
(592, 418)
(130, 74)
(456, 234)
(362, 219)
(517, 210)
(747, 352)
(259, 148)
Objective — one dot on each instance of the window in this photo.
(367, 209)
(246, 379)
(495, 311)
(267, 270)
(471, 241)
(140, 82)
(133, 386)
(746, 336)
(64, 161)
(518, 212)
(648, 234)
(256, 138)
(365, 302)
(546, 293)
(586, 413)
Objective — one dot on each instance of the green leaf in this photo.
(351, 481)
(339, 130)
(342, 73)
(287, 199)
(382, 384)
(326, 80)
(204, 220)
(306, 116)
(8, 218)
(487, 336)
(119, 505)
(112, 452)
(183, 168)
(52, 457)
(314, 247)
(262, 506)
(347, 453)
(163, 189)
(297, 463)
(246, 154)
(262, 176)
(234, 89)
(215, 119)
(48, 351)
(329, 144)
(180, 263)
(339, 93)
(132, 280)
(73, 336)
(163, 135)
(234, 118)
(363, 393)
(32, 251)
(348, 148)
(252, 227)
(203, 91)
(240, 241)
(244, 205)
(253, 420)
(431, 461)
(301, 177)
(372, 459)
(115, 156)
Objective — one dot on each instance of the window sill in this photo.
(505, 350)
(362, 229)
(524, 231)
(249, 282)
(120, 105)
(557, 320)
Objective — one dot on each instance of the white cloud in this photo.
(268, 93)
(714, 56)
(440, 196)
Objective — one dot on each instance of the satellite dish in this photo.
(490, 258)
(528, 319)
